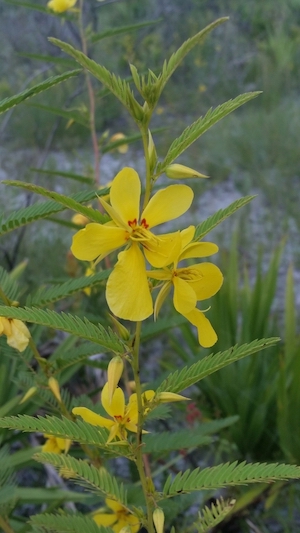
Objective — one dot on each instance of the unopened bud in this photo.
(123, 332)
(177, 171)
(54, 387)
(136, 108)
(31, 392)
(79, 219)
(159, 520)
(126, 529)
(165, 397)
(114, 373)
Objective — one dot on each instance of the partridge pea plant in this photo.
(140, 266)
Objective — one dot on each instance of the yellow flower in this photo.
(191, 284)
(79, 219)
(59, 6)
(119, 518)
(56, 444)
(16, 332)
(123, 417)
(122, 148)
(127, 291)
(90, 271)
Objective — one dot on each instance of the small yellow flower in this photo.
(17, 333)
(191, 284)
(56, 444)
(59, 6)
(122, 148)
(127, 291)
(79, 219)
(123, 417)
(54, 387)
(119, 517)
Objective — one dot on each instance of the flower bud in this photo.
(79, 219)
(177, 171)
(122, 148)
(28, 394)
(114, 373)
(54, 387)
(165, 397)
(159, 520)
(121, 330)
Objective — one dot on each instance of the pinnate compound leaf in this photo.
(214, 220)
(97, 479)
(63, 290)
(189, 375)
(66, 201)
(66, 523)
(212, 516)
(69, 175)
(229, 474)
(68, 323)
(39, 211)
(114, 83)
(8, 286)
(11, 101)
(69, 114)
(200, 126)
(123, 29)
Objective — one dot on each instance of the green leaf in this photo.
(8, 286)
(29, 5)
(114, 83)
(11, 101)
(49, 59)
(189, 375)
(42, 496)
(67, 523)
(195, 130)
(93, 478)
(40, 211)
(123, 29)
(69, 323)
(46, 296)
(74, 356)
(65, 113)
(66, 201)
(210, 517)
(228, 474)
(69, 175)
(214, 220)
(170, 66)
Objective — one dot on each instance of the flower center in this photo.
(140, 231)
(188, 274)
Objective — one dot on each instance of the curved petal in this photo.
(208, 281)
(167, 204)
(162, 250)
(114, 505)
(125, 195)
(198, 249)
(116, 407)
(187, 235)
(105, 519)
(97, 239)
(161, 274)
(206, 334)
(184, 297)
(127, 290)
(133, 522)
(162, 295)
(92, 418)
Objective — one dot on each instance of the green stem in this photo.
(5, 526)
(139, 448)
(144, 132)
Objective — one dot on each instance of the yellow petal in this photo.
(168, 204)
(133, 522)
(115, 407)
(104, 519)
(59, 6)
(20, 335)
(199, 249)
(209, 281)
(206, 334)
(92, 418)
(97, 239)
(187, 235)
(125, 195)
(127, 290)
(114, 505)
(163, 250)
(5, 326)
(184, 296)
(163, 293)
(114, 372)
(165, 397)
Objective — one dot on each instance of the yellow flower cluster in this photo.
(128, 291)
(16, 332)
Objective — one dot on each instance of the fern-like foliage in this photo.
(212, 516)
(40, 211)
(167, 441)
(63, 290)
(12, 101)
(63, 427)
(214, 220)
(189, 375)
(200, 126)
(228, 474)
(8, 286)
(68, 175)
(122, 29)
(68, 114)
(74, 356)
(114, 83)
(66, 201)
(8, 496)
(68, 323)
(170, 66)
(95, 479)
(66, 523)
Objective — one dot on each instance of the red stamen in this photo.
(132, 223)
(144, 223)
